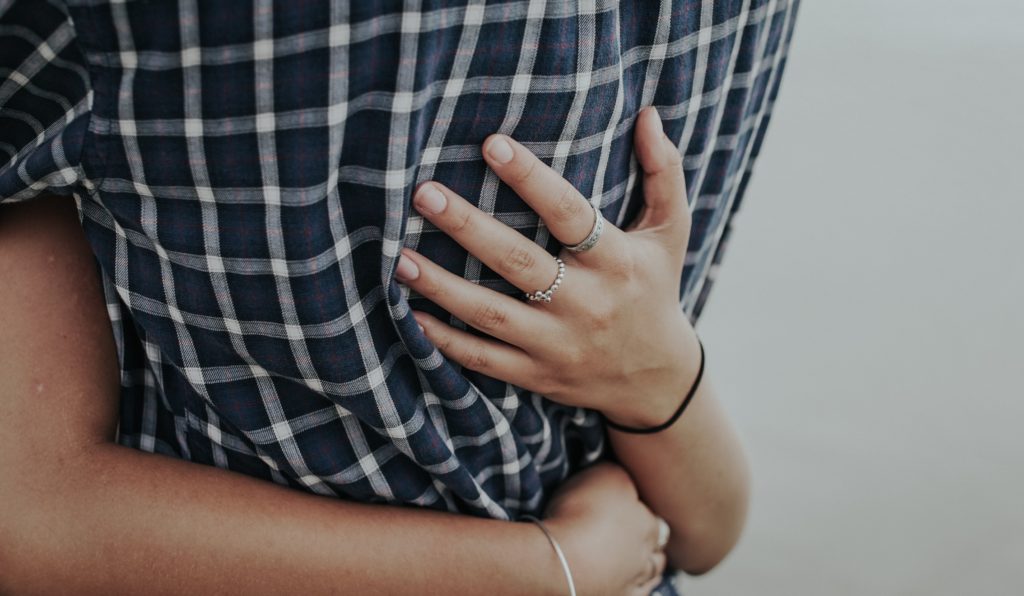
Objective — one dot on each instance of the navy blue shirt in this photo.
(243, 171)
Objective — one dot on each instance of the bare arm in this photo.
(78, 510)
(695, 475)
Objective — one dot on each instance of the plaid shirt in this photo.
(243, 173)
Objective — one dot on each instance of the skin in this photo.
(613, 338)
(85, 512)
(79, 511)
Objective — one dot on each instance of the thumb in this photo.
(664, 185)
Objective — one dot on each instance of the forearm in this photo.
(79, 513)
(116, 520)
(695, 475)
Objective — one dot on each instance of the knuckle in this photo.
(568, 206)
(444, 342)
(461, 222)
(573, 356)
(659, 568)
(433, 287)
(476, 358)
(517, 260)
(524, 174)
(600, 311)
(489, 316)
(546, 384)
(621, 266)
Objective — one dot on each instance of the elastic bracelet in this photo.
(678, 412)
(558, 551)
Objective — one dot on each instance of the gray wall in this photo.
(866, 331)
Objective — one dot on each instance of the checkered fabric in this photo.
(243, 172)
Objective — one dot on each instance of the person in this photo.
(243, 182)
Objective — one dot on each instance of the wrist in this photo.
(662, 402)
(574, 551)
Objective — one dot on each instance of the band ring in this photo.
(595, 233)
(545, 295)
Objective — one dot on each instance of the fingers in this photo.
(651, 579)
(486, 356)
(494, 313)
(513, 256)
(567, 214)
(656, 559)
(664, 533)
(664, 184)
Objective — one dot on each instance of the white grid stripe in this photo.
(722, 219)
(168, 216)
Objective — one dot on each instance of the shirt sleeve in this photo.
(45, 98)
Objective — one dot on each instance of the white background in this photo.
(866, 330)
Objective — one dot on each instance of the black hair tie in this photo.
(679, 411)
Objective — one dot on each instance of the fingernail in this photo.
(406, 269)
(421, 328)
(500, 151)
(430, 199)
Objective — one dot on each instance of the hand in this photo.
(613, 338)
(609, 536)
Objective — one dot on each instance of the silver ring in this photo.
(545, 295)
(664, 531)
(595, 233)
